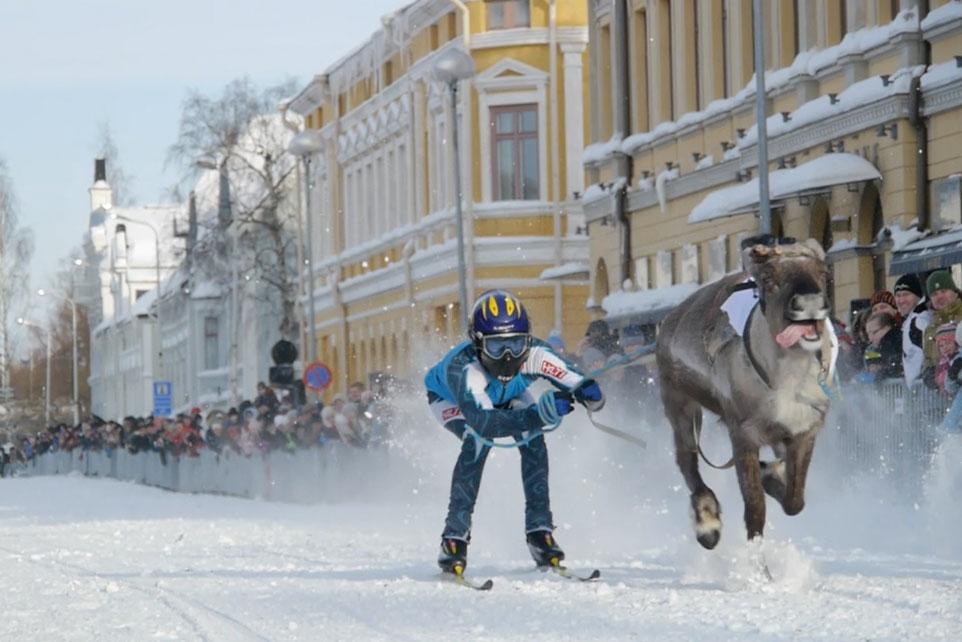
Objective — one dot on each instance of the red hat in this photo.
(195, 410)
(883, 296)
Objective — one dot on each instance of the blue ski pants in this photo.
(466, 478)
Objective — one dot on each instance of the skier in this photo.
(478, 391)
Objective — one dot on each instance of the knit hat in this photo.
(909, 283)
(882, 296)
(940, 280)
(945, 328)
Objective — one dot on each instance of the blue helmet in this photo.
(501, 333)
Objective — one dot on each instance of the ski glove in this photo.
(553, 405)
(589, 394)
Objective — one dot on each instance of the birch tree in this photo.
(242, 133)
(16, 250)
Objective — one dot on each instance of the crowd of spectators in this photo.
(912, 335)
(269, 422)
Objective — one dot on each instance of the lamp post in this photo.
(304, 145)
(451, 67)
(46, 402)
(73, 321)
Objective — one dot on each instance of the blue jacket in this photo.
(459, 378)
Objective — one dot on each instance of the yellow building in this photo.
(385, 276)
(864, 104)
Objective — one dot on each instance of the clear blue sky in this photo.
(69, 65)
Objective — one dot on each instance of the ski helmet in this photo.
(501, 333)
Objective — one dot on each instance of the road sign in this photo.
(163, 398)
(317, 376)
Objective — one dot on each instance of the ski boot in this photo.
(453, 557)
(544, 549)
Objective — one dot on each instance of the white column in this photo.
(574, 116)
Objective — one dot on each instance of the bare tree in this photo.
(253, 234)
(121, 183)
(16, 249)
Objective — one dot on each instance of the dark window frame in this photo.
(510, 18)
(518, 138)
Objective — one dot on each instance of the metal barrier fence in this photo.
(885, 430)
(882, 431)
(332, 473)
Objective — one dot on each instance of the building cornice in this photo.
(942, 98)
(527, 37)
(857, 120)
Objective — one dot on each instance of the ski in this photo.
(457, 577)
(568, 574)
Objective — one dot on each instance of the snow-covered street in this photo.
(98, 559)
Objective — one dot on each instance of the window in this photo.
(138, 294)
(514, 141)
(508, 14)
(211, 356)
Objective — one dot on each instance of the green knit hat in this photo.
(940, 280)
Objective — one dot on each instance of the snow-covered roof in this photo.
(936, 250)
(653, 303)
(568, 270)
(598, 191)
(946, 13)
(205, 290)
(825, 171)
(856, 95)
(941, 74)
(599, 151)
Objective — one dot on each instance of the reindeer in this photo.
(768, 385)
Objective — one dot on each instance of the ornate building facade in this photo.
(863, 98)
(385, 274)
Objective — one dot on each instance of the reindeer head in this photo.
(792, 286)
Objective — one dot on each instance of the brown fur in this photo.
(702, 364)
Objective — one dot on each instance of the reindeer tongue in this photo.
(793, 334)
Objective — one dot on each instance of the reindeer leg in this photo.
(750, 481)
(704, 504)
(798, 457)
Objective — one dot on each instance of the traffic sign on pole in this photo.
(317, 376)
(163, 398)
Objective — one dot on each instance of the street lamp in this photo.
(304, 145)
(451, 67)
(73, 321)
(46, 403)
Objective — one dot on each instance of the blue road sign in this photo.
(163, 398)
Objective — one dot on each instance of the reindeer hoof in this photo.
(773, 478)
(707, 515)
(710, 539)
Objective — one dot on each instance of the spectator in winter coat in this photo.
(946, 308)
(948, 350)
(884, 301)
(914, 308)
(883, 357)
(265, 398)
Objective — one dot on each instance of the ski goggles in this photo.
(498, 345)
